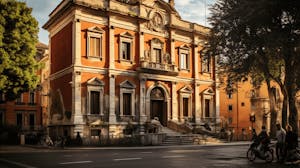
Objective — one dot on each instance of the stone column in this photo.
(76, 79)
(111, 47)
(141, 45)
(143, 116)
(217, 97)
(76, 43)
(197, 104)
(174, 102)
(196, 62)
(112, 104)
(172, 47)
(76, 103)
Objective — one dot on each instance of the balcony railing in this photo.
(209, 120)
(31, 127)
(155, 67)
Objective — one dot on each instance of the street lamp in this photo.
(252, 118)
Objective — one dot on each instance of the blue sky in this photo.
(190, 10)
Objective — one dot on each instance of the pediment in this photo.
(185, 47)
(208, 91)
(126, 34)
(156, 41)
(127, 84)
(95, 29)
(165, 6)
(186, 89)
(95, 82)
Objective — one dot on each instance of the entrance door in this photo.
(158, 110)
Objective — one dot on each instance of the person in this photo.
(229, 133)
(254, 135)
(291, 142)
(244, 134)
(280, 136)
(263, 139)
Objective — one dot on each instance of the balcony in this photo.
(31, 128)
(158, 68)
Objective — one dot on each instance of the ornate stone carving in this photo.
(131, 2)
(156, 93)
(156, 23)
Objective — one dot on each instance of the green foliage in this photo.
(258, 39)
(18, 38)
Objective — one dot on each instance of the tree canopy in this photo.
(258, 39)
(18, 37)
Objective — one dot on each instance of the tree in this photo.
(259, 38)
(18, 37)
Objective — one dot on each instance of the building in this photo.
(44, 86)
(26, 111)
(249, 107)
(115, 62)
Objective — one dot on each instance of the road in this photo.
(221, 156)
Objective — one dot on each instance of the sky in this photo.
(190, 10)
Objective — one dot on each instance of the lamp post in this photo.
(252, 119)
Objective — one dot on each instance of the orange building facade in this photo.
(115, 62)
(26, 111)
(248, 108)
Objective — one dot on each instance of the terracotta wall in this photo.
(61, 49)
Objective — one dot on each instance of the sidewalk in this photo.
(38, 148)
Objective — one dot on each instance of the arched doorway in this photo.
(158, 105)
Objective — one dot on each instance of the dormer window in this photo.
(94, 43)
(126, 47)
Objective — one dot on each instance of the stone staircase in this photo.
(176, 138)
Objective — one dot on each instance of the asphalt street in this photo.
(223, 156)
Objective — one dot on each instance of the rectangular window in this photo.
(2, 117)
(229, 95)
(125, 51)
(230, 120)
(19, 100)
(230, 108)
(207, 104)
(206, 65)
(2, 98)
(157, 53)
(95, 46)
(95, 132)
(185, 107)
(184, 61)
(19, 119)
(126, 103)
(31, 98)
(31, 121)
(95, 102)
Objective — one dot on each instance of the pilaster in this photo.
(141, 45)
(143, 116)
(174, 102)
(111, 47)
(196, 62)
(76, 43)
(172, 47)
(112, 104)
(197, 103)
(76, 105)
